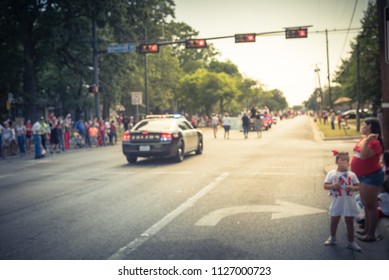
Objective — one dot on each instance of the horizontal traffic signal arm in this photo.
(290, 32)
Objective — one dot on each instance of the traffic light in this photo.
(196, 43)
(149, 48)
(291, 33)
(245, 38)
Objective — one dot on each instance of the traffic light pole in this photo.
(146, 80)
(383, 10)
(95, 67)
(328, 72)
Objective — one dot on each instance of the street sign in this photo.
(114, 48)
(136, 98)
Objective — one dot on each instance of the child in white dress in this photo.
(342, 184)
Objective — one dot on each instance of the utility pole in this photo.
(95, 67)
(146, 86)
(146, 74)
(317, 70)
(358, 87)
(383, 18)
(328, 72)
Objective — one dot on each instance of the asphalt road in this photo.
(241, 199)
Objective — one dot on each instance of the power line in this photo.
(349, 28)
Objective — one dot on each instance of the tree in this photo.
(366, 47)
(47, 35)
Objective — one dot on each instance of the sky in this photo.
(278, 63)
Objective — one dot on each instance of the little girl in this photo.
(342, 184)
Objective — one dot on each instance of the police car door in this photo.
(189, 137)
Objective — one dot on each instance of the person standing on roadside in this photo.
(67, 124)
(28, 136)
(226, 126)
(339, 119)
(54, 137)
(20, 130)
(246, 125)
(332, 118)
(102, 132)
(112, 133)
(36, 135)
(44, 130)
(365, 163)
(258, 124)
(6, 140)
(342, 184)
(214, 123)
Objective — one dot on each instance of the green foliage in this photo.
(367, 48)
(46, 56)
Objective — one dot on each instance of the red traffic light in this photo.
(196, 43)
(296, 33)
(149, 48)
(245, 38)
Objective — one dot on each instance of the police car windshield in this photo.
(156, 124)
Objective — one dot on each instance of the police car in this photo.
(162, 136)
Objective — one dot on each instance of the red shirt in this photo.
(29, 129)
(363, 167)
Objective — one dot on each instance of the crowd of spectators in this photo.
(58, 134)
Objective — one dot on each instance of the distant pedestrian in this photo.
(7, 138)
(126, 122)
(67, 123)
(54, 137)
(93, 134)
(112, 133)
(245, 125)
(258, 124)
(339, 119)
(44, 131)
(214, 123)
(342, 184)
(36, 135)
(28, 136)
(226, 125)
(20, 131)
(332, 119)
(102, 132)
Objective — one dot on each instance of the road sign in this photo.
(113, 48)
(136, 98)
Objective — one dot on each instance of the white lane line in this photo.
(124, 251)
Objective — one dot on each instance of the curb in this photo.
(346, 137)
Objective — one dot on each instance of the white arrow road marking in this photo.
(124, 251)
(283, 210)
